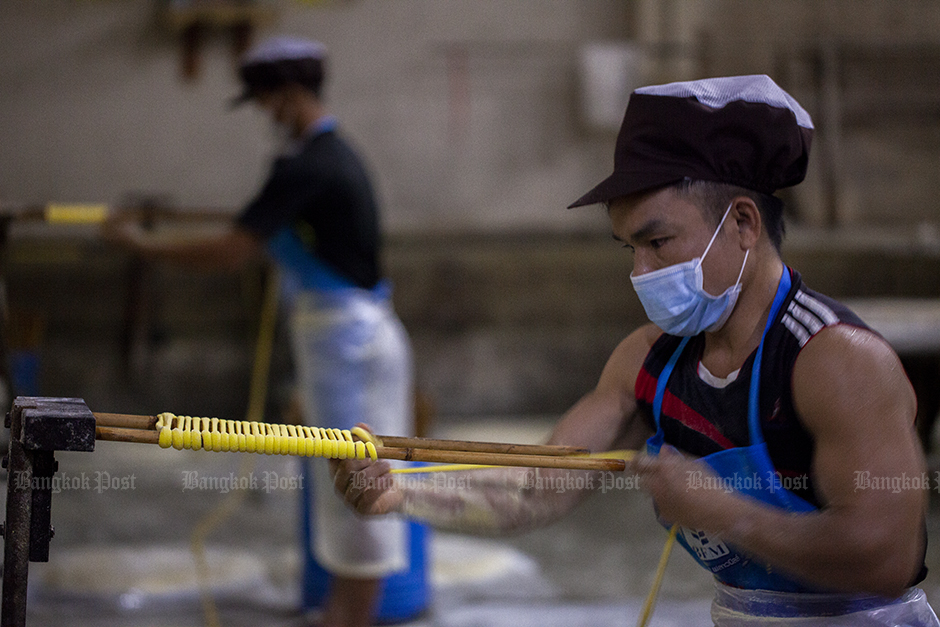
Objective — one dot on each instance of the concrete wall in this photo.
(469, 115)
(866, 72)
(466, 111)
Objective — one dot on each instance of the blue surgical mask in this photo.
(675, 300)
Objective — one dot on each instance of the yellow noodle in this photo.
(362, 434)
(292, 440)
(439, 468)
(285, 439)
(272, 440)
(223, 429)
(187, 432)
(242, 437)
(318, 442)
(196, 441)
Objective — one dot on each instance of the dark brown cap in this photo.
(742, 130)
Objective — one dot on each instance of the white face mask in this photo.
(676, 301)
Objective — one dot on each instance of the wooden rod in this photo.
(149, 422)
(151, 436)
(122, 434)
(480, 447)
(499, 459)
(128, 421)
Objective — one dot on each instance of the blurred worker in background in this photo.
(777, 429)
(318, 218)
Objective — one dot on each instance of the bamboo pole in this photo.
(480, 447)
(149, 422)
(151, 436)
(129, 421)
(122, 434)
(499, 459)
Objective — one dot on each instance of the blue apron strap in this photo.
(664, 379)
(753, 405)
(753, 413)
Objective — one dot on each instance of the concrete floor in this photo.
(121, 555)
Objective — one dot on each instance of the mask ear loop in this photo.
(715, 234)
(744, 263)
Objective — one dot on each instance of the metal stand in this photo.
(38, 427)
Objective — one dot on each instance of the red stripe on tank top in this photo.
(677, 410)
(674, 408)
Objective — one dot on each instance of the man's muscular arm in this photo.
(504, 500)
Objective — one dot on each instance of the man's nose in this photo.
(640, 265)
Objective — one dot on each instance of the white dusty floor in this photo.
(124, 521)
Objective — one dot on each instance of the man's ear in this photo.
(747, 218)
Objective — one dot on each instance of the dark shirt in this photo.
(318, 214)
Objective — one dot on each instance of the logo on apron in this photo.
(705, 548)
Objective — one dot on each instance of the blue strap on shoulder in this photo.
(753, 405)
(664, 379)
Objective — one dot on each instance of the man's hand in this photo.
(685, 491)
(367, 487)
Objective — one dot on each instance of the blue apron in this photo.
(746, 469)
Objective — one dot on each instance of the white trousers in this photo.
(735, 607)
(354, 364)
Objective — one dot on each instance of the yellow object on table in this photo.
(76, 213)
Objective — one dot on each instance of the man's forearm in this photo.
(493, 502)
(230, 248)
(818, 548)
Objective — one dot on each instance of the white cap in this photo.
(718, 92)
(283, 48)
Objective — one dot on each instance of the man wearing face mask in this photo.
(757, 402)
(317, 217)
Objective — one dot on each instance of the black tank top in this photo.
(700, 419)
